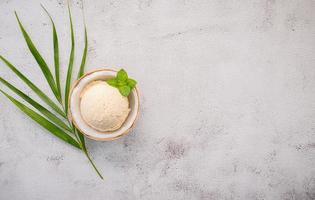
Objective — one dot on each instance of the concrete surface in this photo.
(228, 101)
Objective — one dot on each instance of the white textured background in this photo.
(228, 101)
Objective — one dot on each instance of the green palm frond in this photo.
(40, 60)
(38, 91)
(82, 66)
(70, 65)
(36, 105)
(56, 51)
(43, 122)
(61, 128)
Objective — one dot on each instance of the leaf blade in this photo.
(43, 121)
(36, 105)
(70, 65)
(39, 59)
(37, 91)
(56, 51)
(112, 82)
(124, 90)
(82, 66)
(122, 75)
(131, 83)
(81, 138)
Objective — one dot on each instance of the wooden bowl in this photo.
(80, 124)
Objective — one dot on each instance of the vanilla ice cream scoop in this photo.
(103, 107)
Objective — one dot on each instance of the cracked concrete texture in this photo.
(227, 101)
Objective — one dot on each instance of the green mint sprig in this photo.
(122, 82)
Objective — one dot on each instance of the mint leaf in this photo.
(122, 75)
(121, 83)
(124, 90)
(131, 83)
(112, 82)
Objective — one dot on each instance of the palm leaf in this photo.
(56, 51)
(82, 66)
(70, 65)
(39, 92)
(56, 125)
(36, 105)
(43, 122)
(39, 59)
(81, 138)
(85, 150)
(80, 74)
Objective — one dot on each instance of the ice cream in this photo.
(103, 107)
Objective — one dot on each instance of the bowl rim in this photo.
(76, 82)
